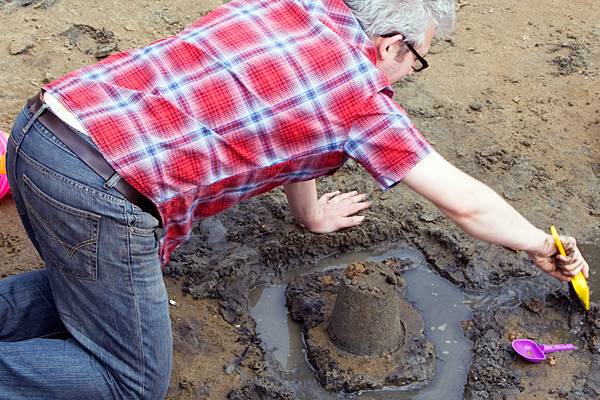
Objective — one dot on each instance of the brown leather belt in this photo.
(89, 155)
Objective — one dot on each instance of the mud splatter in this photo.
(263, 389)
(44, 4)
(99, 42)
(10, 243)
(573, 57)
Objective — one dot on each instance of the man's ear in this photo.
(387, 45)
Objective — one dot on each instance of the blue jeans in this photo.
(101, 289)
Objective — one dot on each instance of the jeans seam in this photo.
(73, 211)
(16, 137)
(108, 197)
(137, 309)
(106, 373)
(49, 135)
(53, 333)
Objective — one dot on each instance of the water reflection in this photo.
(441, 305)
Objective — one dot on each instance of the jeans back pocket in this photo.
(68, 237)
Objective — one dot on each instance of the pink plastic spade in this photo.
(4, 188)
(535, 353)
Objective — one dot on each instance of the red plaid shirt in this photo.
(254, 95)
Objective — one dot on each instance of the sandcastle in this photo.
(359, 330)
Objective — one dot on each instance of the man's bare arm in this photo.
(482, 213)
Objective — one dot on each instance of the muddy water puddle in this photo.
(441, 305)
(513, 292)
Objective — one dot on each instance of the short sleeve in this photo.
(384, 140)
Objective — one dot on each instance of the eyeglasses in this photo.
(420, 63)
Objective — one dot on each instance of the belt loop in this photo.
(35, 116)
(112, 181)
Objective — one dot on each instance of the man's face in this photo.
(397, 64)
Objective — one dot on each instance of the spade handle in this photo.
(553, 348)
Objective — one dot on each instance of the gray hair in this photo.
(410, 17)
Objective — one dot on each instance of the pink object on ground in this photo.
(4, 188)
(535, 353)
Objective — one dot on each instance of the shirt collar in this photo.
(352, 32)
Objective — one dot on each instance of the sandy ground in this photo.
(513, 98)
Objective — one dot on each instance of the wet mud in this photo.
(99, 42)
(263, 389)
(515, 107)
(43, 4)
(497, 372)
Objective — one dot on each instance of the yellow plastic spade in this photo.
(578, 281)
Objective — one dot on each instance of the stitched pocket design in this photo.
(68, 236)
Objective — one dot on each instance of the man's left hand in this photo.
(337, 211)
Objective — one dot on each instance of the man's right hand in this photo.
(549, 260)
